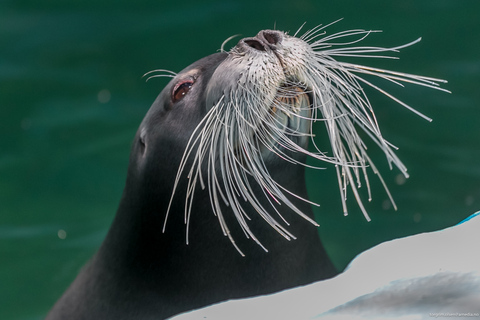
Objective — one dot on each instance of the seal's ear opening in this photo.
(142, 142)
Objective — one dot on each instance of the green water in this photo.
(72, 96)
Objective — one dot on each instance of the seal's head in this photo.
(255, 106)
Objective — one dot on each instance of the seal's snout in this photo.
(263, 41)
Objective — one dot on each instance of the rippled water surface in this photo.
(72, 96)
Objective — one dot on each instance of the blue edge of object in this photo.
(469, 218)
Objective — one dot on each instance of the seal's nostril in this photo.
(271, 37)
(255, 44)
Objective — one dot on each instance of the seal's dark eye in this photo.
(181, 89)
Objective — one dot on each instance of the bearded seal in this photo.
(220, 154)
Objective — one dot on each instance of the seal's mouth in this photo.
(291, 112)
(291, 104)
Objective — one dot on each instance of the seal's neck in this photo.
(140, 259)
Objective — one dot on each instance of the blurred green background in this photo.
(72, 96)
